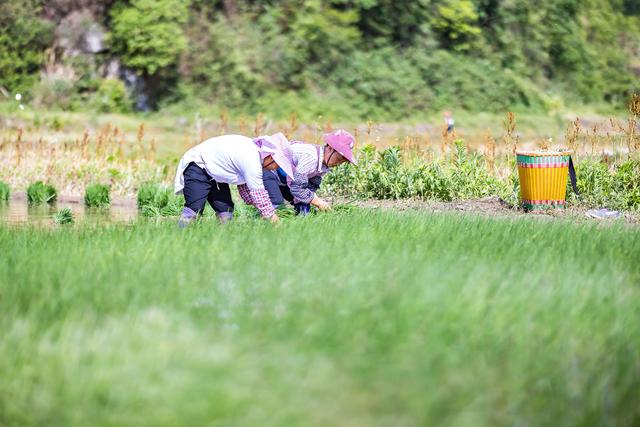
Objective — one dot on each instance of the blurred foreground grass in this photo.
(382, 319)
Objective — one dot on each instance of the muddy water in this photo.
(17, 211)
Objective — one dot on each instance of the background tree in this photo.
(24, 37)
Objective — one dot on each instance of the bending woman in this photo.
(311, 163)
(206, 170)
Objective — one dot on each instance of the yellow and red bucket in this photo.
(543, 178)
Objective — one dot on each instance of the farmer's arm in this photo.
(303, 190)
(245, 194)
(255, 193)
(314, 185)
(299, 187)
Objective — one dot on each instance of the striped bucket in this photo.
(543, 178)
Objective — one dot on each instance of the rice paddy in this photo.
(365, 318)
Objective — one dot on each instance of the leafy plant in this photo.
(148, 33)
(112, 97)
(39, 192)
(97, 196)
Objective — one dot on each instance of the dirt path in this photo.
(489, 206)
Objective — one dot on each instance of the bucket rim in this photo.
(541, 153)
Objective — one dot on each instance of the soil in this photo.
(489, 206)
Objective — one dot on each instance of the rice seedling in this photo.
(5, 191)
(39, 192)
(63, 216)
(97, 196)
(158, 200)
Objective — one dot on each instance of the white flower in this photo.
(21, 107)
(18, 96)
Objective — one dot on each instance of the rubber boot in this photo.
(302, 208)
(187, 217)
(224, 217)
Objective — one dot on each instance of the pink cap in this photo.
(278, 147)
(341, 141)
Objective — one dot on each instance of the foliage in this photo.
(112, 97)
(381, 84)
(54, 92)
(24, 36)
(97, 196)
(39, 192)
(390, 174)
(158, 200)
(384, 175)
(148, 34)
(63, 216)
(473, 84)
(218, 64)
(398, 316)
(456, 22)
(386, 59)
(5, 191)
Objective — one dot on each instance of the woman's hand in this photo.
(273, 219)
(320, 204)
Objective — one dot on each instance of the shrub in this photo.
(473, 84)
(5, 191)
(147, 34)
(63, 216)
(39, 192)
(23, 38)
(385, 175)
(112, 97)
(54, 92)
(626, 181)
(384, 84)
(595, 183)
(97, 196)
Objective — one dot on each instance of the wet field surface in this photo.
(18, 211)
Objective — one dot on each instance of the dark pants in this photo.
(199, 188)
(279, 191)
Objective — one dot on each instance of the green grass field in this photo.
(358, 319)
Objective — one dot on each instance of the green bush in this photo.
(218, 64)
(24, 36)
(626, 181)
(148, 34)
(39, 192)
(473, 84)
(383, 84)
(97, 196)
(54, 92)
(5, 191)
(112, 97)
(386, 175)
(157, 200)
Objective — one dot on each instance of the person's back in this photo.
(226, 158)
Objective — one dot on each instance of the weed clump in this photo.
(39, 192)
(5, 191)
(97, 196)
